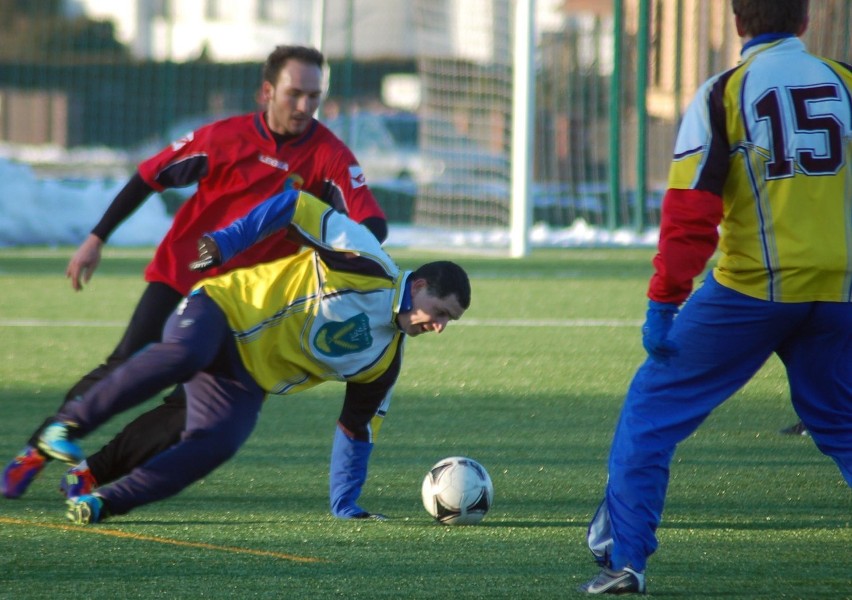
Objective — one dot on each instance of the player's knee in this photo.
(217, 447)
(183, 361)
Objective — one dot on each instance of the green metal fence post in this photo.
(642, 44)
(615, 117)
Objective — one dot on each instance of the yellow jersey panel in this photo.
(327, 313)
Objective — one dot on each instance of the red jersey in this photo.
(237, 165)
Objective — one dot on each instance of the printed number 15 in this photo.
(769, 109)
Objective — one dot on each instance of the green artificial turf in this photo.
(529, 383)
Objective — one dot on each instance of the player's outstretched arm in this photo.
(263, 220)
(87, 257)
(364, 408)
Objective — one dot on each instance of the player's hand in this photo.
(332, 195)
(371, 516)
(208, 255)
(84, 262)
(655, 331)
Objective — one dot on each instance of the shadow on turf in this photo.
(787, 525)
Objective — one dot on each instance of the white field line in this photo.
(47, 323)
(465, 322)
(549, 323)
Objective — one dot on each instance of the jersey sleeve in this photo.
(266, 218)
(692, 206)
(180, 164)
(310, 222)
(688, 237)
(344, 172)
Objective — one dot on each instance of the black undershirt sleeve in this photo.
(131, 196)
(378, 227)
(362, 400)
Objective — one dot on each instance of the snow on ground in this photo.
(43, 209)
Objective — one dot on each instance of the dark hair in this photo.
(771, 16)
(278, 58)
(444, 278)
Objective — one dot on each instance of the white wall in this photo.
(379, 28)
(236, 34)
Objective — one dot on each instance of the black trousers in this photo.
(154, 431)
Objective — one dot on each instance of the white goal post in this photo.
(523, 109)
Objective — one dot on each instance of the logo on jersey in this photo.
(348, 337)
(273, 162)
(356, 176)
(294, 182)
(183, 141)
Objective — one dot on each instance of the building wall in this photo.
(238, 30)
(221, 30)
(700, 32)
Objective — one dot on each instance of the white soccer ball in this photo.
(457, 491)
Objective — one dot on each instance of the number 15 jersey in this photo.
(773, 138)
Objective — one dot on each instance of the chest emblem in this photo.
(350, 336)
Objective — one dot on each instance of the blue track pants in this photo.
(724, 338)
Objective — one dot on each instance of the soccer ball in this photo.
(457, 491)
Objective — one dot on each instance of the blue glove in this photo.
(655, 331)
(348, 473)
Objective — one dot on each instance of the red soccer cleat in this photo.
(21, 472)
(78, 481)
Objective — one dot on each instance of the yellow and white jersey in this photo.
(327, 313)
(773, 138)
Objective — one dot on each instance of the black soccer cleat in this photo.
(797, 429)
(626, 581)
